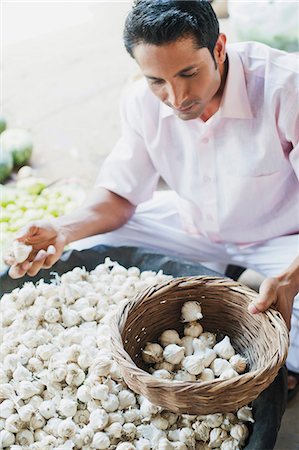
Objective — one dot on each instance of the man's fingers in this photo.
(16, 271)
(37, 263)
(51, 258)
(267, 296)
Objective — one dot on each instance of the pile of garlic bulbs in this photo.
(195, 356)
(60, 388)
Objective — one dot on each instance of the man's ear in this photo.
(220, 50)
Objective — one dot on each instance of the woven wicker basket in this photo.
(261, 338)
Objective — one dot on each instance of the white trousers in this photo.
(156, 224)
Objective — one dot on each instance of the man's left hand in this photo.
(277, 293)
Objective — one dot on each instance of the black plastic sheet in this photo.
(268, 408)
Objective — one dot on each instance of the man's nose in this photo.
(175, 95)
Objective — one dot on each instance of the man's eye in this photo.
(156, 82)
(189, 75)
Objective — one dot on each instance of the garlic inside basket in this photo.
(194, 355)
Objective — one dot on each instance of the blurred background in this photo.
(63, 69)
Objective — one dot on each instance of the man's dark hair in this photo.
(159, 22)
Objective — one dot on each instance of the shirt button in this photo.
(207, 179)
(205, 140)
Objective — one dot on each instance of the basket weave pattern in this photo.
(261, 338)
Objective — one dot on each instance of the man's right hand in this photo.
(47, 243)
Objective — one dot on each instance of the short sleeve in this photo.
(128, 170)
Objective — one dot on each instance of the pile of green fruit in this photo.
(16, 147)
(30, 199)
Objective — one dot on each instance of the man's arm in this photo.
(101, 212)
(279, 292)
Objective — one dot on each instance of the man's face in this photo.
(181, 75)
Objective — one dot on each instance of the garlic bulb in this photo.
(26, 412)
(6, 438)
(165, 444)
(101, 368)
(13, 423)
(207, 375)
(191, 311)
(82, 417)
(245, 414)
(208, 339)
(7, 409)
(125, 446)
(214, 420)
(27, 389)
(116, 417)
(99, 392)
(152, 353)
(219, 365)
(187, 437)
(230, 444)
(193, 329)
(147, 408)
(126, 399)
(217, 436)
(202, 431)
(75, 376)
(238, 363)
(111, 404)
(47, 409)
(129, 431)
(24, 438)
(162, 373)
(160, 422)
(114, 430)
(224, 349)
(187, 343)
(194, 364)
(164, 365)
(86, 435)
(183, 375)
(142, 444)
(100, 441)
(169, 337)
(67, 428)
(228, 374)
(67, 407)
(37, 421)
(98, 419)
(239, 432)
(20, 251)
(173, 353)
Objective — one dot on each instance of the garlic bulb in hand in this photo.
(191, 311)
(20, 251)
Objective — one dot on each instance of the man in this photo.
(220, 125)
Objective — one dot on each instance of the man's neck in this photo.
(214, 104)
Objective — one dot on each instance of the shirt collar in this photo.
(235, 103)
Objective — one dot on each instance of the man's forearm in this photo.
(103, 211)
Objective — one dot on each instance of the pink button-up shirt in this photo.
(237, 173)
